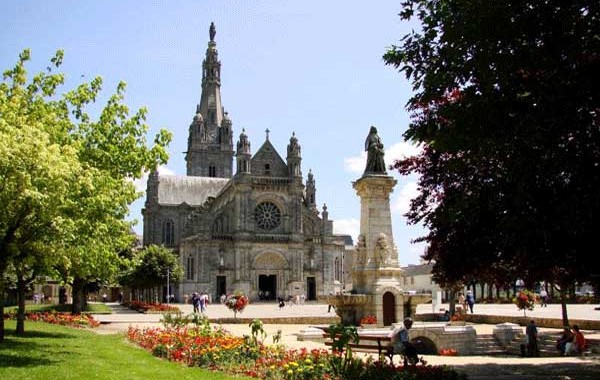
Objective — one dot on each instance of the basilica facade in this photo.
(254, 227)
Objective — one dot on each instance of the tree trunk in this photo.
(563, 305)
(452, 302)
(21, 285)
(78, 295)
(1, 314)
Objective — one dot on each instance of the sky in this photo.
(310, 67)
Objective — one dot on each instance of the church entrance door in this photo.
(389, 308)
(311, 289)
(267, 285)
(221, 286)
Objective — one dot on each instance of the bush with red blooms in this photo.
(368, 320)
(448, 352)
(236, 302)
(525, 300)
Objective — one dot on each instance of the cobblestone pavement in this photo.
(476, 367)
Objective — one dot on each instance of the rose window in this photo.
(267, 216)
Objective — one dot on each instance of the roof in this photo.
(417, 270)
(175, 190)
(347, 239)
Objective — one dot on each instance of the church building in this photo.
(256, 228)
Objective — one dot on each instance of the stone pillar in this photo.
(376, 270)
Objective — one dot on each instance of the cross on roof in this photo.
(267, 132)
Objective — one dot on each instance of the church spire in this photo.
(211, 107)
(210, 143)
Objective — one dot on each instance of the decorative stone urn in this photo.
(346, 306)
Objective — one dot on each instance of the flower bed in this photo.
(147, 307)
(216, 349)
(65, 319)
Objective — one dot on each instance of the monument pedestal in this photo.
(376, 271)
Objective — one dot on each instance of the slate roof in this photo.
(417, 270)
(175, 190)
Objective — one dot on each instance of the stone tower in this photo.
(210, 141)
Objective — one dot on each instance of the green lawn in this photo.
(56, 352)
(95, 308)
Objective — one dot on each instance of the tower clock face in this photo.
(267, 216)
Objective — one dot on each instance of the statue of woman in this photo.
(374, 148)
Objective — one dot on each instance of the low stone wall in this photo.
(280, 321)
(523, 321)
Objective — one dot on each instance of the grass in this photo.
(57, 352)
(94, 308)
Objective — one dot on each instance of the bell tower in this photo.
(210, 141)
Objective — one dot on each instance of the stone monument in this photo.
(376, 271)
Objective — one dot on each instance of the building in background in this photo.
(256, 228)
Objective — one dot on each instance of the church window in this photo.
(267, 169)
(267, 216)
(168, 233)
(337, 269)
(212, 171)
(189, 268)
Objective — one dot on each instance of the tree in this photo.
(65, 180)
(152, 266)
(506, 109)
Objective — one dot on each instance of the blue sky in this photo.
(309, 67)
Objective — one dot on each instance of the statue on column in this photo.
(375, 152)
(212, 31)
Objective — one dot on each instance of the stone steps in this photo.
(487, 344)
(546, 344)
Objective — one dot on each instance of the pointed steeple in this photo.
(293, 157)
(243, 153)
(210, 142)
(311, 191)
(210, 101)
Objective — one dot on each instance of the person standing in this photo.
(543, 298)
(532, 343)
(196, 302)
(470, 300)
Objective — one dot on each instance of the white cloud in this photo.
(347, 227)
(356, 164)
(396, 151)
(140, 183)
(402, 202)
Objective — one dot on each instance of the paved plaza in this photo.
(477, 367)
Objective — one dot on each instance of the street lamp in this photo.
(168, 289)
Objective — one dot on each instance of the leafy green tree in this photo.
(152, 266)
(506, 110)
(65, 180)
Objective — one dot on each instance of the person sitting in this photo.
(402, 344)
(566, 337)
(577, 346)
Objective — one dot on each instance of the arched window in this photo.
(337, 269)
(168, 233)
(212, 171)
(267, 169)
(189, 268)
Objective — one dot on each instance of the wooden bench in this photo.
(384, 347)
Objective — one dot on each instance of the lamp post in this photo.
(168, 289)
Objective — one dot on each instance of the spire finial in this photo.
(267, 132)
(212, 31)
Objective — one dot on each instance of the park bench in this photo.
(383, 345)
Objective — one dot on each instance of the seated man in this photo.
(402, 343)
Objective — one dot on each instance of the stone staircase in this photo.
(546, 344)
(488, 345)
